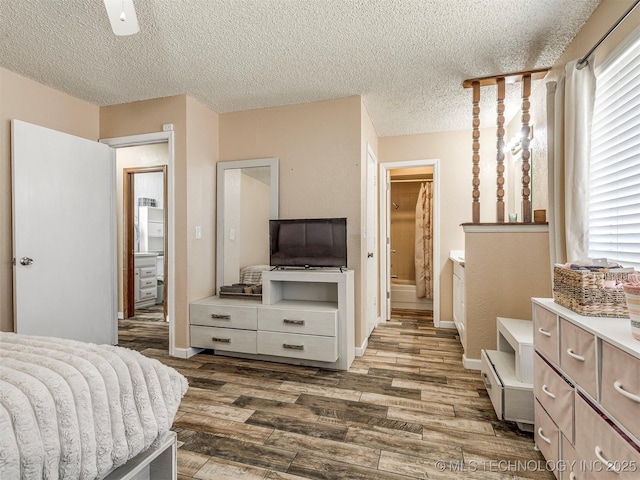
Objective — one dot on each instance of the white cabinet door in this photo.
(63, 235)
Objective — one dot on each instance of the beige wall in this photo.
(319, 147)
(195, 154)
(26, 100)
(502, 272)
(453, 149)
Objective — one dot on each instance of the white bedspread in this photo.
(73, 410)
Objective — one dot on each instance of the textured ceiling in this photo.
(407, 58)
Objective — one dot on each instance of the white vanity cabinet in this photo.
(306, 317)
(459, 312)
(146, 280)
(587, 393)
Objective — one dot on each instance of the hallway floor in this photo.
(407, 409)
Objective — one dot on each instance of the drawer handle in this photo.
(292, 347)
(221, 340)
(572, 476)
(546, 439)
(610, 465)
(544, 332)
(220, 317)
(618, 386)
(580, 358)
(546, 390)
(487, 382)
(293, 322)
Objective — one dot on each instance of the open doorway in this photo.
(144, 241)
(412, 177)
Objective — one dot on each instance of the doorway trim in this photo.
(148, 139)
(128, 276)
(385, 204)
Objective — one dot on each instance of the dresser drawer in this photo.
(223, 339)
(147, 293)
(578, 356)
(308, 347)
(545, 333)
(298, 321)
(149, 282)
(156, 229)
(575, 467)
(547, 436)
(554, 394)
(621, 387)
(220, 315)
(600, 445)
(148, 271)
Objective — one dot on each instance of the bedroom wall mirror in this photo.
(247, 197)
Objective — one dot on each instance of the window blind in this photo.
(614, 190)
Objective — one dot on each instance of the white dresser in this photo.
(146, 280)
(306, 317)
(587, 393)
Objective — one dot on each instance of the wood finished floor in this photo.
(402, 408)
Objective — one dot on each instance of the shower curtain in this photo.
(424, 242)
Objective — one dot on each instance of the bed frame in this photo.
(153, 464)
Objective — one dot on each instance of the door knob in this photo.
(26, 261)
(370, 255)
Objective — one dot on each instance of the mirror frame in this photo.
(222, 167)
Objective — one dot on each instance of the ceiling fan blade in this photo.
(122, 16)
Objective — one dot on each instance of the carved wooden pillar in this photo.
(475, 209)
(526, 154)
(500, 155)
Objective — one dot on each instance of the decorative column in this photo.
(475, 208)
(500, 82)
(526, 154)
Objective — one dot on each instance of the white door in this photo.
(63, 235)
(372, 259)
(387, 236)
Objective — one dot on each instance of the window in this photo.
(614, 190)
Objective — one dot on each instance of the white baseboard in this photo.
(120, 316)
(446, 324)
(186, 352)
(359, 351)
(471, 363)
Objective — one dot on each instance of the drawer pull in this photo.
(220, 317)
(293, 322)
(487, 382)
(544, 332)
(618, 386)
(572, 476)
(610, 465)
(580, 358)
(546, 390)
(546, 439)
(292, 347)
(221, 340)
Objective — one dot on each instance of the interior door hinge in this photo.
(388, 294)
(14, 261)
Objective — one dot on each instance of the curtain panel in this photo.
(570, 103)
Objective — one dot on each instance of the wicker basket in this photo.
(583, 292)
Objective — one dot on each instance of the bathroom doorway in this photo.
(143, 233)
(401, 216)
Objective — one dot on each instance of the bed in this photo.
(76, 410)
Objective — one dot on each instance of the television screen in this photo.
(314, 242)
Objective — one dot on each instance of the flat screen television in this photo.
(308, 243)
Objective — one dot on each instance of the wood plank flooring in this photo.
(407, 409)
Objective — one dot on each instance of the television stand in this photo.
(306, 318)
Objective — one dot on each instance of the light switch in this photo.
(232, 234)
(198, 232)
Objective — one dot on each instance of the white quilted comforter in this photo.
(73, 410)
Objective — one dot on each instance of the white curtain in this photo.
(424, 242)
(569, 114)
